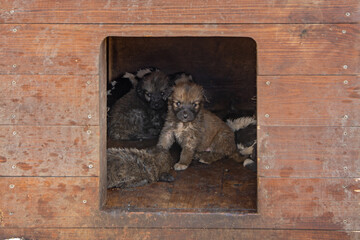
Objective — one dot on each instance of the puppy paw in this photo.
(179, 167)
(204, 161)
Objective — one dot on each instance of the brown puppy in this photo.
(200, 133)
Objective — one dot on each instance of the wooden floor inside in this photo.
(224, 186)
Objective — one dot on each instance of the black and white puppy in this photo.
(245, 139)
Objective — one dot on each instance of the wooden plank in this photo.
(324, 199)
(39, 201)
(49, 100)
(188, 11)
(175, 234)
(309, 100)
(308, 151)
(282, 49)
(286, 203)
(49, 151)
(224, 186)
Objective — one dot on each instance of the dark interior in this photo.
(226, 68)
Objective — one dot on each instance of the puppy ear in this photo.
(132, 78)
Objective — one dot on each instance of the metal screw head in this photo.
(14, 30)
(346, 81)
(13, 116)
(14, 65)
(343, 31)
(267, 167)
(346, 116)
(88, 132)
(11, 186)
(347, 14)
(267, 115)
(13, 166)
(90, 166)
(84, 201)
(88, 82)
(268, 83)
(12, 11)
(345, 133)
(89, 116)
(345, 221)
(345, 67)
(345, 168)
(14, 133)
(13, 83)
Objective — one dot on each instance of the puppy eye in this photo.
(148, 94)
(195, 105)
(178, 104)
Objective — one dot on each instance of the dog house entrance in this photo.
(226, 68)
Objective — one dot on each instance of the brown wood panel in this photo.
(49, 151)
(313, 49)
(308, 151)
(224, 186)
(39, 201)
(49, 100)
(175, 234)
(286, 203)
(173, 11)
(325, 199)
(309, 100)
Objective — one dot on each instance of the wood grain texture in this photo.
(224, 186)
(175, 234)
(285, 203)
(39, 201)
(309, 100)
(49, 100)
(49, 151)
(313, 49)
(308, 152)
(172, 11)
(325, 199)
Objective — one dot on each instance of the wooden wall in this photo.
(52, 117)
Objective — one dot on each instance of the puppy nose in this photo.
(185, 115)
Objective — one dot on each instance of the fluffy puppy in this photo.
(245, 139)
(201, 134)
(141, 113)
(129, 167)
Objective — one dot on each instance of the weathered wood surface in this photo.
(282, 49)
(283, 203)
(224, 186)
(175, 234)
(49, 100)
(49, 151)
(189, 11)
(308, 152)
(309, 100)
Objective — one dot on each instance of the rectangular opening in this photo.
(226, 68)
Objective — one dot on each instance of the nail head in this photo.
(346, 81)
(347, 14)
(84, 201)
(267, 115)
(11, 186)
(345, 67)
(14, 133)
(91, 166)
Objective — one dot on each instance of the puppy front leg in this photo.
(186, 157)
(166, 140)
